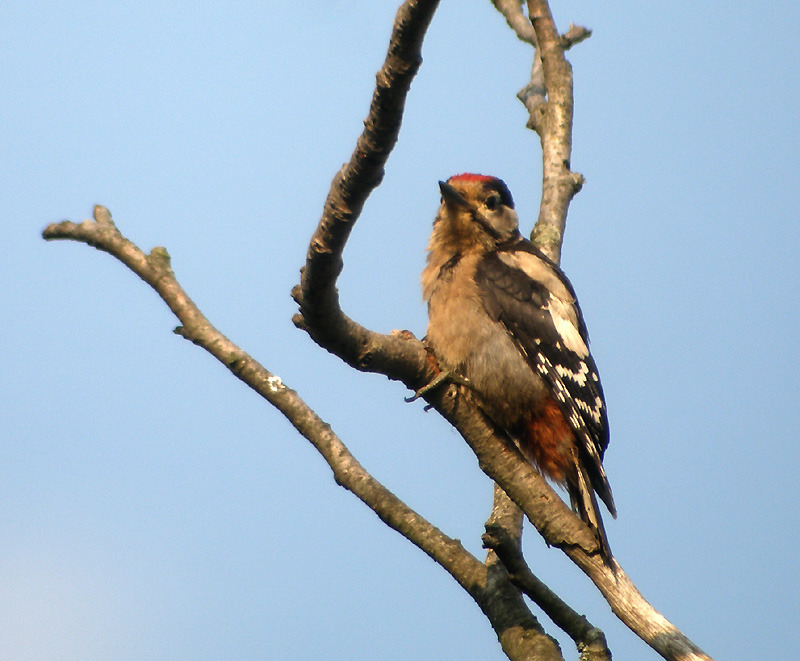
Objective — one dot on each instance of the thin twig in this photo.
(575, 35)
(516, 19)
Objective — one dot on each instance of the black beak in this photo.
(451, 196)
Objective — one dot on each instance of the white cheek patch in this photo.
(567, 329)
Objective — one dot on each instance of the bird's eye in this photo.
(493, 202)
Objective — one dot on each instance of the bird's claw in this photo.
(440, 378)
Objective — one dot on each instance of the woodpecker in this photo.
(504, 318)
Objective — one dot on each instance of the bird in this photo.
(504, 320)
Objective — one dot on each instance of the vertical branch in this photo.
(553, 122)
(549, 100)
(507, 517)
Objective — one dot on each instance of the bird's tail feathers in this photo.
(584, 503)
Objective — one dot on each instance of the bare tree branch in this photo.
(401, 357)
(516, 19)
(155, 270)
(518, 631)
(320, 313)
(559, 183)
(590, 641)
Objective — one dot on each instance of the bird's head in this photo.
(476, 214)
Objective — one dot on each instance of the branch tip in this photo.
(297, 294)
(575, 35)
(102, 215)
(299, 321)
(159, 258)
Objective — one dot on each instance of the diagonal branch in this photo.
(155, 270)
(517, 629)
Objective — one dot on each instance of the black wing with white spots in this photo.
(532, 298)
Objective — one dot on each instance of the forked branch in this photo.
(403, 358)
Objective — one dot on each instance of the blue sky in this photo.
(153, 507)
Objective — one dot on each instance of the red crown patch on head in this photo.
(469, 176)
(489, 182)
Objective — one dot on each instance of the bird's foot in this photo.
(440, 378)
